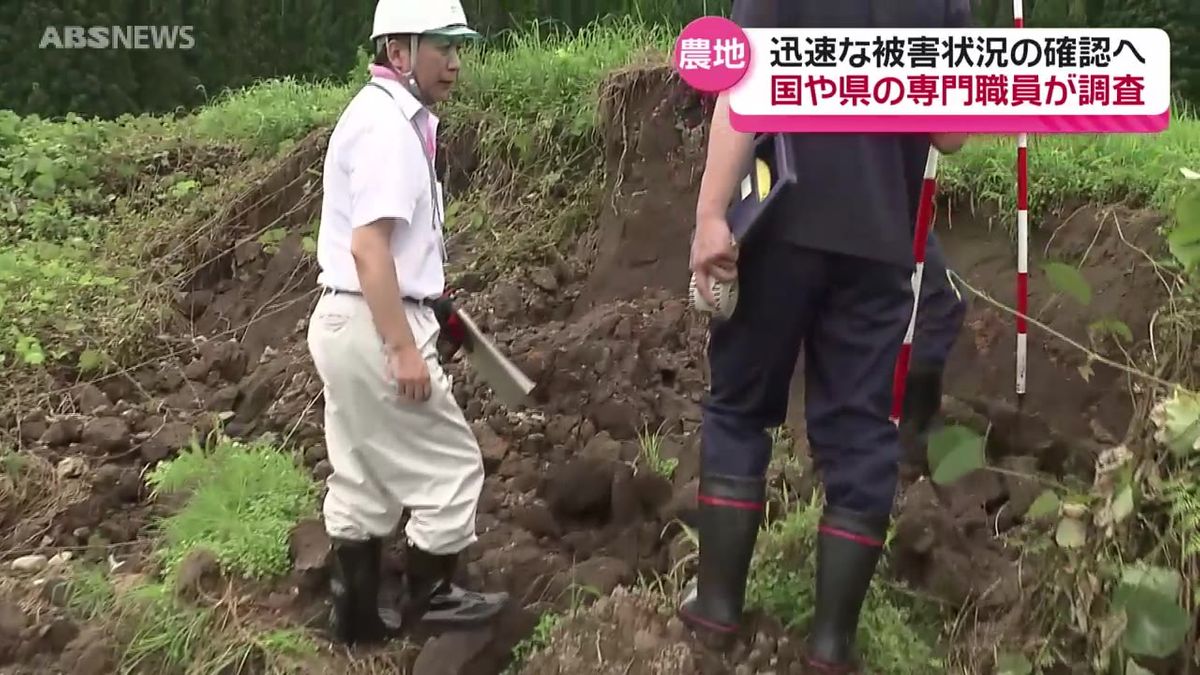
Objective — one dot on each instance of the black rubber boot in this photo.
(848, 548)
(431, 596)
(922, 403)
(730, 513)
(354, 584)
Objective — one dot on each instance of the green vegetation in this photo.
(1129, 541)
(539, 639)
(240, 503)
(896, 634)
(1105, 169)
(650, 455)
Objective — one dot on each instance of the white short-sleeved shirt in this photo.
(376, 167)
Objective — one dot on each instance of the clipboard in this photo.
(510, 385)
(772, 174)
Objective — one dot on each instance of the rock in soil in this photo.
(108, 434)
(90, 653)
(310, 550)
(581, 489)
(30, 563)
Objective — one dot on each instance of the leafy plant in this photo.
(953, 452)
(1184, 238)
(1177, 419)
(1155, 624)
(539, 639)
(1069, 280)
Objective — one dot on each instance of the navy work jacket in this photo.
(856, 194)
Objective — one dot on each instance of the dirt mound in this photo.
(632, 633)
(654, 143)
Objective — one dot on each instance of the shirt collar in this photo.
(409, 105)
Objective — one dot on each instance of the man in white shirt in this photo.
(395, 435)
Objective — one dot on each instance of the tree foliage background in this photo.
(240, 41)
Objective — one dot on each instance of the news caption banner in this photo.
(987, 80)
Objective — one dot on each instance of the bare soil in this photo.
(567, 504)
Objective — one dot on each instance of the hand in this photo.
(948, 143)
(714, 255)
(406, 367)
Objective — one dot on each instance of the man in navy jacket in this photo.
(830, 271)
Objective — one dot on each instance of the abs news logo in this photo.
(117, 37)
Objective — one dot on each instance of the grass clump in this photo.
(650, 453)
(896, 636)
(267, 117)
(242, 502)
(155, 632)
(538, 640)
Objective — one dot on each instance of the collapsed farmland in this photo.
(162, 441)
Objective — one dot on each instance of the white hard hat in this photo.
(421, 17)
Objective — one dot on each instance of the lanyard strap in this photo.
(434, 200)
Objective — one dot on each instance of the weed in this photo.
(12, 464)
(158, 633)
(538, 640)
(243, 501)
(896, 635)
(165, 634)
(90, 595)
(651, 453)
(1183, 495)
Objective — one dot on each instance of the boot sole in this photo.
(452, 619)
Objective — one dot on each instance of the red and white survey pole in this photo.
(920, 238)
(1022, 241)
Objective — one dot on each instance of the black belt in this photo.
(428, 302)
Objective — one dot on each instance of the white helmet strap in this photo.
(411, 75)
(409, 79)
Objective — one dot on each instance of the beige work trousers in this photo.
(390, 453)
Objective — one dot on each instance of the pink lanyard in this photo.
(430, 141)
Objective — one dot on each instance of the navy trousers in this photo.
(941, 313)
(850, 315)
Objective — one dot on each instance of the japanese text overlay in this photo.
(1033, 80)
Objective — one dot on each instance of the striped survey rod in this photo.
(920, 238)
(1022, 242)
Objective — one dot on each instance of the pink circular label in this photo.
(712, 53)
